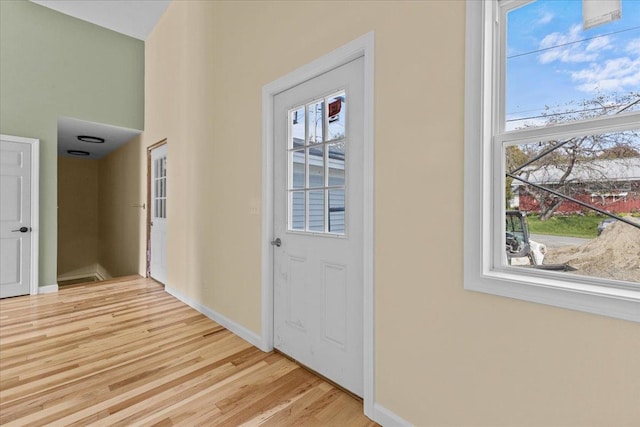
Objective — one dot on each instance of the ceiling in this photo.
(134, 18)
(69, 129)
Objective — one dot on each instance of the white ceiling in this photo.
(135, 18)
(69, 129)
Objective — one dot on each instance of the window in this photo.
(552, 135)
(160, 188)
(317, 166)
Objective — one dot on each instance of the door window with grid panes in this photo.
(160, 188)
(317, 160)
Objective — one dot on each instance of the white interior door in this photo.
(15, 217)
(158, 237)
(318, 212)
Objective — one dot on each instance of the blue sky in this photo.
(607, 63)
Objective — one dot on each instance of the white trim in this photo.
(369, 228)
(102, 273)
(48, 289)
(35, 206)
(385, 417)
(97, 271)
(362, 46)
(239, 330)
(35, 215)
(582, 294)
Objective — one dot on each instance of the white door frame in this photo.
(150, 148)
(361, 47)
(34, 235)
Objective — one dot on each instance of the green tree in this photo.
(514, 157)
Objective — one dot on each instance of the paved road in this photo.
(558, 241)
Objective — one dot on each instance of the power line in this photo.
(573, 42)
(628, 106)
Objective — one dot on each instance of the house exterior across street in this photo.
(613, 185)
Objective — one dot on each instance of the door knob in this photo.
(21, 230)
(276, 242)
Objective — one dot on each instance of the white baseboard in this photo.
(244, 333)
(95, 270)
(386, 418)
(381, 415)
(48, 289)
(101, 273)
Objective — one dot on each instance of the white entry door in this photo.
(158, 237)
(16, 191)
(318, 212)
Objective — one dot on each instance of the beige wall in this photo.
(444, 356)
(77, 216)
(99, 221)
(120, 195)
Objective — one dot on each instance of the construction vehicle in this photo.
(521, 250)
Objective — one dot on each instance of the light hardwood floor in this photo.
(124, 352)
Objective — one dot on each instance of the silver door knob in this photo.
(276, 242)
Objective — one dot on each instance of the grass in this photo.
(574, 226)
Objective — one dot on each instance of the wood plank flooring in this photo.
(124, 352)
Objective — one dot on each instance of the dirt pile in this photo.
(615, 254)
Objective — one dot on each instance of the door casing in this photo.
(35, 206)
(360, 47)
(149, 178)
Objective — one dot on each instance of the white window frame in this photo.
(483, 186)
(325, 188)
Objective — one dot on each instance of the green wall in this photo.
(51, 66)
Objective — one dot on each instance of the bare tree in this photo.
(577, 164)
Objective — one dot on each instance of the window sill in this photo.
(612, 302)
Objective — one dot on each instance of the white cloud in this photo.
(633, 46)
(613, 75)
(545, 18)
(565, 47)
(601, 43)
(567, 55)
(557, 38)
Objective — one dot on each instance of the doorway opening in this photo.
(98, 201)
